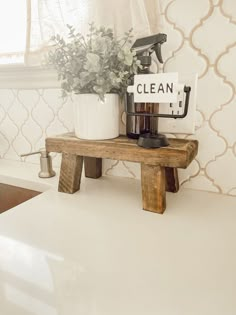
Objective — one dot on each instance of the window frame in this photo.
(27, 77)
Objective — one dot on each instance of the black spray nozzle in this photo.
(149, 44)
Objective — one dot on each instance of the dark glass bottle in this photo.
(136, 125)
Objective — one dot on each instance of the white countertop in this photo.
(97, 253)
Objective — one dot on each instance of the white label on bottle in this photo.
(155, 88)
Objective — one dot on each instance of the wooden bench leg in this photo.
(70, 174)
(172, 179)
(93, 167)
(153, 188)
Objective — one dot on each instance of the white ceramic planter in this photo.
(95, 119)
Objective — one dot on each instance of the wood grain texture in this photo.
(172, 179)
(93, 167)
(153, 188)
(158, 166)
(180, 153)
(70, 174)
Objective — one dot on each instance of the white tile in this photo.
(208, 99)
(227, 64)
(229, 9)
(186, 60)
(201, 182)
(186, 14)
(210, 145)
(213, 37)
(224, 122)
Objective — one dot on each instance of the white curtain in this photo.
(27, 25)
(48, 17)
(12, 31)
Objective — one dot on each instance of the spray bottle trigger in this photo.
(158, 52)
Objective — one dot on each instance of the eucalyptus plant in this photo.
(96, 63)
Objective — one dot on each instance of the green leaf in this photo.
(98, 62)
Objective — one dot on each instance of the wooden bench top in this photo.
(178, 154)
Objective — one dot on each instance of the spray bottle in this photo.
(137, 125)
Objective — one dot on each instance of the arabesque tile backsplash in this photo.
(201, 38)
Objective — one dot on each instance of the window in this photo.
(13, 22)
(26, 26)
